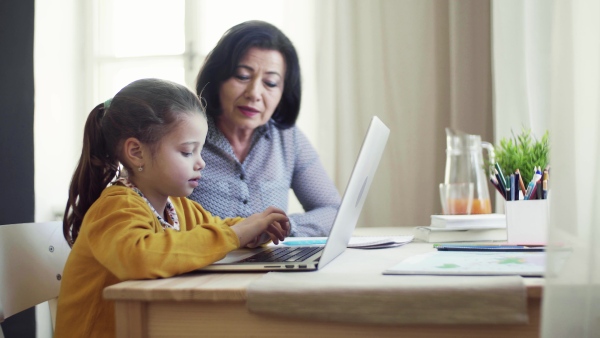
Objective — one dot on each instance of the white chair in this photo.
(32, 258)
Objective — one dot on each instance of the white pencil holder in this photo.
(527, 221)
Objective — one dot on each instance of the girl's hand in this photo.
(260, 240)
(273, 221)
(267, 236)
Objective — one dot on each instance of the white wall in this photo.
(59, 101)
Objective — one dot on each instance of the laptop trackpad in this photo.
(237, 255)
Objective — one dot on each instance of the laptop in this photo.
(313, 257)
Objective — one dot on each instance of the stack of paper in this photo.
(463, 228)
(481, 221)
(378, 242)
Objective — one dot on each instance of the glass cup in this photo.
(456, 198)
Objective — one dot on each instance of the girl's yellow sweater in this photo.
(121, 239)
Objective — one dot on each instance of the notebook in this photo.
(314, 257)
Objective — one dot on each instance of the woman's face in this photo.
(250, 96)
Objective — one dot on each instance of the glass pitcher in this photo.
(464, 164)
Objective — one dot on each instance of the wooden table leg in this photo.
(131, 319)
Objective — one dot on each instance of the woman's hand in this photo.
(253, 230)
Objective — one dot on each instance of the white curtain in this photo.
(521, 63)
(421, 66)
(572, 295)
(546, 76)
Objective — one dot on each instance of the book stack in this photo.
(463, 228)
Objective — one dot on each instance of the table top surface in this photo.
(211, 286)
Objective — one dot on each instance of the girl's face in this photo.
(174, 169)
(250, 96)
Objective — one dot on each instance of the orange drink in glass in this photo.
(456, 198)
(481, 206)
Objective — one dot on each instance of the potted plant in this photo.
(523, 152)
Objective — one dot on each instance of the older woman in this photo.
(254, 152)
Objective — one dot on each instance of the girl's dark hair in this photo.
(146, 109)
(222, 61)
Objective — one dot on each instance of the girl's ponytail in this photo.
(95, 170)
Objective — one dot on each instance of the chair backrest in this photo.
(32, 258)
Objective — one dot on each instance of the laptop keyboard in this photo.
(284, 254)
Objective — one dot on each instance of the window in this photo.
(135, 39)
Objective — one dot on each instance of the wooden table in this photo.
(214, 305)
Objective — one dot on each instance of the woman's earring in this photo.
(140, 168)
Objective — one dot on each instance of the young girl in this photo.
(127, 216)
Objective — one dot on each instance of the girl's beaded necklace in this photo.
(169, 208)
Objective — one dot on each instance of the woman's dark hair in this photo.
(146, 109)
(222, 61)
